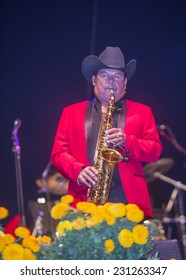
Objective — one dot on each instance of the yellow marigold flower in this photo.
(107, 205)
(44, 239)
(109, 245)
(2, 243)
(13, 252)
(67, 199)
(59, 210)
(78, 223)
(125, 238)
(60, 229)
(67, 225)
(90, 222)
(2, 233)
(140, 234)
(98, 215)
(110, 220)
(3, 213)
(31, 243)
(134, 213)
(9, 238)
(102, 213)
(118, 210)
(63, 226)
(22, 232)
(87, 207)
(28, 254)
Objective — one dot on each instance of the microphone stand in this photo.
(173, 141)
(16, 149)
(48, 198)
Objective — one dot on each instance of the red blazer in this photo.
(142, 140)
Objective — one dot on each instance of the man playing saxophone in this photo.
(132, 133)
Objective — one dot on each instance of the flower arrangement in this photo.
(113, 231)
(22, 246)
(104, 232)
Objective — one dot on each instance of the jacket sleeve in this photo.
(142, 137)
(65, 151)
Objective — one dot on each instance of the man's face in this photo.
(107, 80)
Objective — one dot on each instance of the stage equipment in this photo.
(16, 149)
(38, 228)
(158, 224)
(52, 185)
(167, 249)
(163, 165)
(167, 133)
(180, 218)
(40, 220)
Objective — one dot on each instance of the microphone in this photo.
(165, 127)
(17, 124)
(162, 127)
(16, 148)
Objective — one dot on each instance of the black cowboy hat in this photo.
(111, 57)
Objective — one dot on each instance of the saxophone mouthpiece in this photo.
(111, 91)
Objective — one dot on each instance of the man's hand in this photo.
(87, 176)
(116, 136)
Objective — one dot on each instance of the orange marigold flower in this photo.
(109, 245)
(13, 252)
(9, 238)
(3, 212)
(125, 238)
(31, 243)
(28, 254)
(2, 243)
(22, 232)
(44, 239)
(140, 234)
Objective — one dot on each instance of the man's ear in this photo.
(125, 81)
(93, 80)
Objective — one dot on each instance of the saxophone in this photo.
(105, 159)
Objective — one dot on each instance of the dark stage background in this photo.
(42, 46)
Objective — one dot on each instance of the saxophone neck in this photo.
(111, 105)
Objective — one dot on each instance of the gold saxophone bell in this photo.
(105, 159)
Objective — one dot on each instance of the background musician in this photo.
(51, 186)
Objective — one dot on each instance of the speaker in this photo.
(167, 249)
